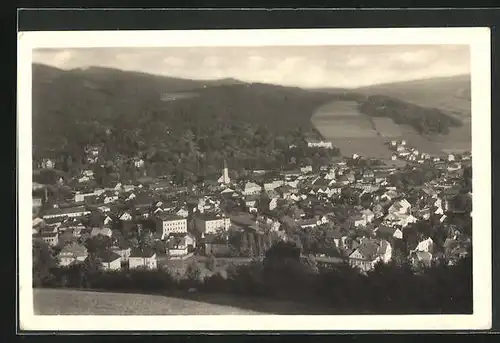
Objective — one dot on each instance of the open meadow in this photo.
(78, 302)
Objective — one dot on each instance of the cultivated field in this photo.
(76, 302)
(352, 131)
(387, 128)
(449, 94)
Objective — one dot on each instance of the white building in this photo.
(320, 144)
(110, 260)
(225, 175)
(73, 252)
(170, 224)
(79, 197)
(252, 189)
(142, 259)
(66, 212)
(139, 163)
(211, 224)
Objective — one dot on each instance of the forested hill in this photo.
(170, 122)
(451, 95)
(80, 104)
(175, 120)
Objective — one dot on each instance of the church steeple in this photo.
(225, 174)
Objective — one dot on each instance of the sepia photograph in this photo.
(282, 179)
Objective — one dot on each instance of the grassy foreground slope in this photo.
(76, 302)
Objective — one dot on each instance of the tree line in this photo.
(394, 288)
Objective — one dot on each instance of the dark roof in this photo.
(53, 211)
(48, 234)
(368, 249)
(75, 249)
(384, 229)
(50, 221)
(108, 256)
(167, 217)
(136, 252)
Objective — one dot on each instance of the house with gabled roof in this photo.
(123, 249)
(109, 260)
(72, 253)
(142, 258)
(104, 231)
(400, 206)
(369, 252)
(252, 188)
(388, 231)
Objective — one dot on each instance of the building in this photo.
(72, 253)
(252, 189)
(139, 163)
(401, 206)
(71, 212)
(389, 231)
(369, 253)
(212, 223)
(123, 251)
(306, 169)
(170, 224)
(273, 185)
(225, 175)
(47, 163)
(110, 260)
(80, 197)
(368, 215)
(313, 143)
(142, 259)
(105, 231)
(51, 238)
(180, 245)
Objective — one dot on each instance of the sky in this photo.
(301, 66)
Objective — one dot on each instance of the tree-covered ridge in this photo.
(424, 120)
(191, 125)
(249, 125)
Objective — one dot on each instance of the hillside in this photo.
(172, 121)
(449, 94)
(177, 121)
(76, 302)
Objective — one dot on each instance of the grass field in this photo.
(449, 94)
(76, 302)
(353, 132)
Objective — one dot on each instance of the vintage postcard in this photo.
(319, 179)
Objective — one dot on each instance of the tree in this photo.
(244, 247)
(211, 263)
(43, 262)
(193, 274)
(252, 245)
(145, 239)
(98, 243)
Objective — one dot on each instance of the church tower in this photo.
(225, 175)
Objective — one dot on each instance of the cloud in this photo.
(414, 57)
(211, 61)
(357, 62)
(174, 61)
(308, 66)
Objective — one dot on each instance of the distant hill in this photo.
(132, 111)
(451, 95)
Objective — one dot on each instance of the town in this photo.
(356, 210)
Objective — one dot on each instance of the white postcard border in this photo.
(477, 38)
